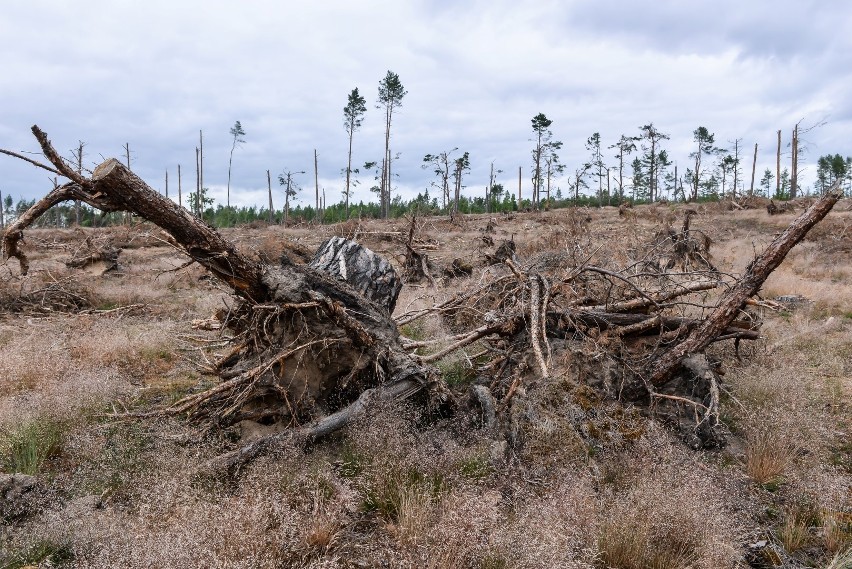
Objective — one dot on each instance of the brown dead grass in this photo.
(405, 489)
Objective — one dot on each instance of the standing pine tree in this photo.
(391, 93)
(440, 165)
(540, 124)
(593, 145)
(353, 115)
(625, 145)
(704, 139)
(291, 190)
(461, 165)
(766, 182)
(651, 158)
(236, 132)
(553, 166)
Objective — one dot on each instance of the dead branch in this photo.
(232, 461)
(31, 161)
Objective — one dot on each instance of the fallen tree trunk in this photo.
(747, 286)
(310, 342)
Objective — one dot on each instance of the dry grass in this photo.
(769, 455)
(667, 519)
(406, 489)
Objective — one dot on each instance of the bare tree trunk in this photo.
(675, 183)
(349, 170)
(778, 167)
(549, 165)
(78, 155)
(287, 200)
(736, 167)
(520, 199)
(197, 204)
(794, 169)
(2, 214)
(318, 215)
(747, 286)
(128, 217)
(167, 183)
(269, 187)
(180, 190)
(382, 188)
(390, 184)
(201, 173)
(753, 169)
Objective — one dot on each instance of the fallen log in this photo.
(312, 343)
(747, 286)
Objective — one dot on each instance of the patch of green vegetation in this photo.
(41, 553)
(108, 305)
(384, 492)
(841, 456)
(172, 390)
(494, 561)
(351, 462)
(774, 485)
(413, 331)
(455, 373)
(120, 459)
(477, 467)
(323, 487)
(26, 449)
(157, 353)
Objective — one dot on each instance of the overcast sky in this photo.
(154, 73)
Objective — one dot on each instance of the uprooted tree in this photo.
(313, 344)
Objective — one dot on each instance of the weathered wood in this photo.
(126, 191)
(747, 286)
(113, 187)
(363, 270)
(346, 342)
(15, 232)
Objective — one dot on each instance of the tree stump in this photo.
(368, 273)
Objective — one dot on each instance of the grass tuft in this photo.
(26, 449)
(768, 457)
(41, 553)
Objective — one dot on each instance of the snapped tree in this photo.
(291, 190)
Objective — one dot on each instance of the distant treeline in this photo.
(66, 215)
